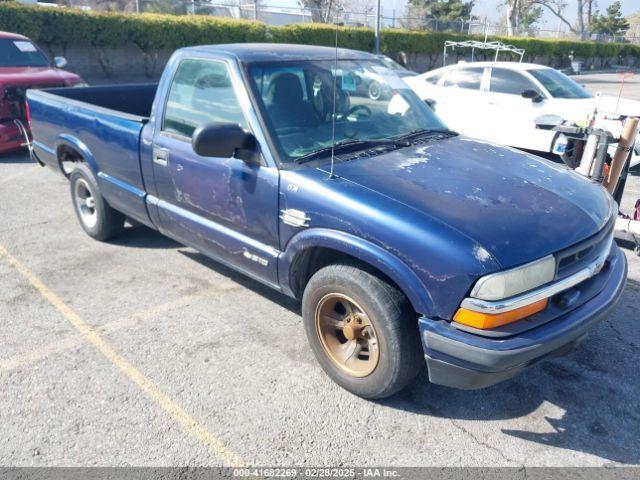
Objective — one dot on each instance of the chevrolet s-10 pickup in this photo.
(405, 241)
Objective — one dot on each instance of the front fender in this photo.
(363, 250)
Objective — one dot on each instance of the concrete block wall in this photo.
(130, 62)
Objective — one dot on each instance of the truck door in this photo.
(512, 117)
(224, 207)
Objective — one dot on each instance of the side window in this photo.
(201, 92)
(508, 81)
(469, 78)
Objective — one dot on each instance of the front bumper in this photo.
(460, 359)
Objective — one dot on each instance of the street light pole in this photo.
(377, 28)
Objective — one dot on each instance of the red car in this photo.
(23, 65)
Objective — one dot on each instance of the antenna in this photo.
(333, 113)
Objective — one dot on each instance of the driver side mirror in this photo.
(431, 103)
(533, 95)
(226, 140)
(59, 62)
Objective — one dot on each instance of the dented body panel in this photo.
(433, 217)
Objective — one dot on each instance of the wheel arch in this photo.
(70, 145)
(313, 249)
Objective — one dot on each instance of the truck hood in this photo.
(517, 206)
(36, 76)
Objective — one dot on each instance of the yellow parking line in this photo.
(217, 447)
(64, 344)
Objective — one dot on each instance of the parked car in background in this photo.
(404, 241)
(374, 86)
(500, 101)
(23, 65)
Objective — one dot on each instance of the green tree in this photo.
(447, 13)
(529, 18)
(612, 23)
(522, 17)
(450, 10)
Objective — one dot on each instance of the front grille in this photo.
(577, 257)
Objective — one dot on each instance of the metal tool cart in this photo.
(585, 149)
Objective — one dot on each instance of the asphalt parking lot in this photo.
(143, 352)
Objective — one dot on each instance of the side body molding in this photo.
(361, 249)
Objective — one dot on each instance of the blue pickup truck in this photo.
(404, 241)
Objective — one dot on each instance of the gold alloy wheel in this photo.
(347, 335)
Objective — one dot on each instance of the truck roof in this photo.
(260, 52)
(11, 35)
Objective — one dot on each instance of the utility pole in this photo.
(377, 29)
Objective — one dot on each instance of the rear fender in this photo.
(364, 251)
(72, 142)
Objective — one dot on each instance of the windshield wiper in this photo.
(352, 145)
(425, 131)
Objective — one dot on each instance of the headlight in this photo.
(517, 280)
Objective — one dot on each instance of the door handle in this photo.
(161, 156)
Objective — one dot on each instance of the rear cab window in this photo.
(201, 92)
(264, 77)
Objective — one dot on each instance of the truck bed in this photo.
(134, 99)
(103, 126)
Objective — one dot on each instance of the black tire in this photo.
(374, 90)
(101, 222)
(399, 350)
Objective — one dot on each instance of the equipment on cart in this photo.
(585, 149)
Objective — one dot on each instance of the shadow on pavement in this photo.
(244, 281)
(596, 385)
(16, 157)
(139, 236)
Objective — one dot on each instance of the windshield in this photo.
(20, 53)
(558, 84)
(372, 103)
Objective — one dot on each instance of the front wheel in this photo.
(96, 216)
(361, 330)
(374, 90)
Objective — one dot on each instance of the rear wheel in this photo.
(96, 217)
(361, 330)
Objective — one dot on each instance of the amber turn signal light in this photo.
(485, 320)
